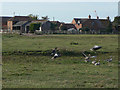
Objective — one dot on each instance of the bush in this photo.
(109, 28)
(54, 26)
(63, 28)
(86, 29)
(34, 26)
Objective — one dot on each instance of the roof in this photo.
(20, 23)
(55, 21)
(97, 23)
(20, 18)
(37, 21)
(4, 20)
(68, 25)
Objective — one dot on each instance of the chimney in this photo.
(108, 18)
(97, 17)
(89, 16)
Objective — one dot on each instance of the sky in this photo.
(59, 0)
(61, 11)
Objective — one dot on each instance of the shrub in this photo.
(34, 26)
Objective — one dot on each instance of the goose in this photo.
(93, 56)
(98, 63)
(54, 51)
(86, 57)
(95, 48)
(55, 56)
(93, 62)
(87, 60)
(110, 59)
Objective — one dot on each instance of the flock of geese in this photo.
(95, 62)
(55, 54)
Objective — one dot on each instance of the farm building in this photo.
(92, 24)
(14, 20)
(3, 22)
(45, 25)
(66, 26)
(20, 26)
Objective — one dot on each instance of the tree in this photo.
(34, 26)
(116, 22)
(86, 29)
(63, 27)
(54, 26)
(45, 18)
(34, 17)
(109, 27)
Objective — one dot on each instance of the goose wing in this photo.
(84, 55)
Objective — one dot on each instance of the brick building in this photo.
(93, 24)
(3, 22)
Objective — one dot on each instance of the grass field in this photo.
(27, 62)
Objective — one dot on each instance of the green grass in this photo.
(27, 63)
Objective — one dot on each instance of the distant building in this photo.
(66, 26)
(20, 26)
(15, 20)
(3, 22)
(23, 25)
(56, 25)
(45, 25)
(93, 24)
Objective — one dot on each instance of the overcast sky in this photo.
(59, 0)
(62, 11)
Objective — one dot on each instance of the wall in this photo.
(9, 24)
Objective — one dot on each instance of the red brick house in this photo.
(15, 20)
(92, 24)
